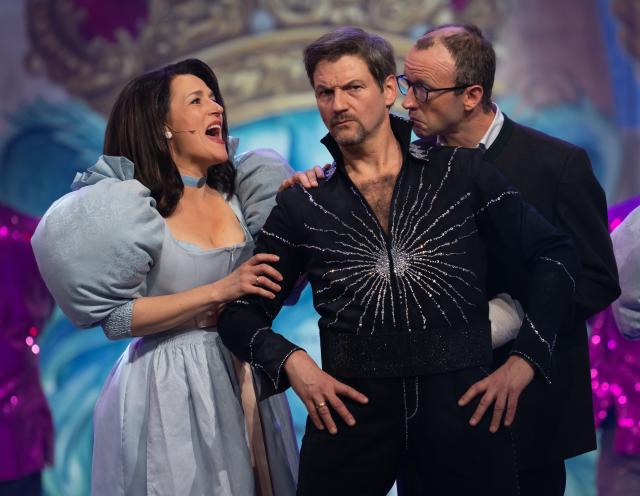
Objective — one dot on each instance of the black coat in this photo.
(555, 422)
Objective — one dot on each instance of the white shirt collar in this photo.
(492, 132)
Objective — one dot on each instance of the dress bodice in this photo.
(181, 266)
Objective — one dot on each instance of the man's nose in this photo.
(409, 101)
(339, 101)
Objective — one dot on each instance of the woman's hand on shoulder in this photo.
(308, 179)
(255, 276)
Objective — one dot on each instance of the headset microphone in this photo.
(169, 134)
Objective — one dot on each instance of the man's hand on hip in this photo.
(318, 390)
(503, 387)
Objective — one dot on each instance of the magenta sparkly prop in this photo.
(615, 367)
(26, 431)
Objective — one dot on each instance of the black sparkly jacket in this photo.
(411, 301)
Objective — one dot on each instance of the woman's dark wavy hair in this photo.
(136, 127)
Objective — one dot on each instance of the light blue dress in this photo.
(169, 420)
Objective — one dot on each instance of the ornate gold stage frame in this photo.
(260, 68)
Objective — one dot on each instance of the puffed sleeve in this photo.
(626, 246)
(259, 174)
(95, 246)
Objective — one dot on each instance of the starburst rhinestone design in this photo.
(364, 263)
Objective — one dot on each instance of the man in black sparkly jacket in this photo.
(394, 245)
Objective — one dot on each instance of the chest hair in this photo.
(378, 193)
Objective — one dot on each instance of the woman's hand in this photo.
(255, 276)
(308, 179)
(201, 306)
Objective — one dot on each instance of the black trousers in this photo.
(549, 479)
(359, 460)
(412, 430)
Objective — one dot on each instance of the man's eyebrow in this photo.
(348, 83)
(352, 82)
(418, 81)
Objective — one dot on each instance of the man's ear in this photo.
(472, 97)
(390, 90)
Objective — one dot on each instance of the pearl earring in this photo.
(168, 135)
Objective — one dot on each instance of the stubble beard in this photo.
(348, 137)
(352, 140)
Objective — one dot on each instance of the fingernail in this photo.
(473, 421)
(351, 422)
(333, 431)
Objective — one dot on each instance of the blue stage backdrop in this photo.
(567, 68)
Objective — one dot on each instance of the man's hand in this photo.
(308, 179)
(504, 387)
(317, 390)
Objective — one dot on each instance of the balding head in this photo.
(473, 55)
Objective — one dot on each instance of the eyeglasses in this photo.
(420, 91)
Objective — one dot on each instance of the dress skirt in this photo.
(169, 421)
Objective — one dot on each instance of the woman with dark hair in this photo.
(154, 240)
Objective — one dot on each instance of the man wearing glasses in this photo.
(447, 83)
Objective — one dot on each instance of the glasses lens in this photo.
(403, 84)
(420, 92)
